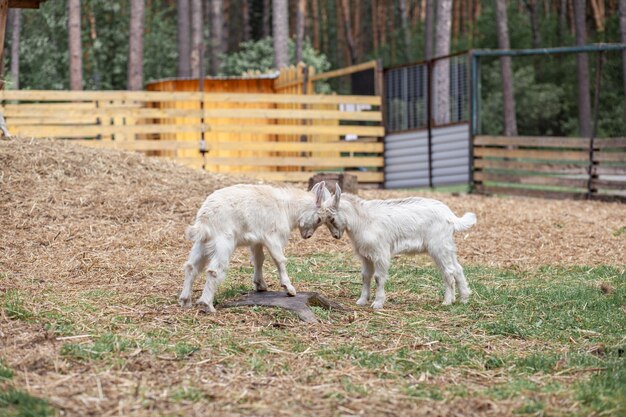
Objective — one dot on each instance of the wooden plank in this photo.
(601, 156)
(362, 176)
(532, 154)
(78, 131)
(374, 116)
(610, 170)
(299, 129)
(531, 180)
(50, 95)
(482, 189)
(135, 112)
(609, 184)
(244, 113)
(603, 143)
(530, 166)
(52, 131)
(326, 75)
(344, 71)
(337, 162)
(69, 120)
(533, 141)
(168, 145)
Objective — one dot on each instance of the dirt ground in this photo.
(74, 219)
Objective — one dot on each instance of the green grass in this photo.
(17, 403)
(527, 337)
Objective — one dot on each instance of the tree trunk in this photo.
(428, 29)
(280, 19)
(183, 38)
(75, 45)
(316, 24)
(442, 67)
(622, 25)
(217, 35)
(582, 67)
(267, 13)
(4, 14)
(345, 16)
(135, 49)
(533, 13)
(508, 97)
(562, 21)
(300, 16)
(16, 28)
(406, 29)
(245, 11)
(196, 37)
(375, 29)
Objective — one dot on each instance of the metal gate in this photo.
(426, 104)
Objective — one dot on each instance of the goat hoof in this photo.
(261, 288)
(447, 302)
(185, 302)
(206, 308)
(361, 301)
(378, 305)
(291, 291)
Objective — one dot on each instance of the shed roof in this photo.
(25, 4)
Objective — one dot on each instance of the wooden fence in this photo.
(272, 136)
(557, 167)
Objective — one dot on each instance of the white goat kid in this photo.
(247, 215)
(380, 229)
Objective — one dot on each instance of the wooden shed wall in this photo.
(242, 85)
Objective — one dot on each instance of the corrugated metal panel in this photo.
(406, 157)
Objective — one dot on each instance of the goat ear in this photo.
(319, 193)
(315, 187)
(337, 196)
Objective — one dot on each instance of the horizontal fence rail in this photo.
(273, 136)
(557, 167)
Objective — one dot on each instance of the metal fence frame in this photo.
(429, 101)
(476, 54)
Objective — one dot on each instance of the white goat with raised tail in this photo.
(380, 229)
(247, 215)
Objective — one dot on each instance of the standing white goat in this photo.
(380, 229)
(247, 215)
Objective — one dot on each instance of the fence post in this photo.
(429, 116)
(591, 190)
(474, 99)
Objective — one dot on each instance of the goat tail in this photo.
(463, 223)
(198, 232)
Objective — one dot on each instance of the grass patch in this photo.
(106, 344)
(14, 306)
(5, 372)
(14, 402)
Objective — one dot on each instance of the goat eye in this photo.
(319, 221)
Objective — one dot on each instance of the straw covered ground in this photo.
(91, 255)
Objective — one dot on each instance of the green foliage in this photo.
(44, 60)
(259, 56)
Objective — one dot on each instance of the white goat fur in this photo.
(245, 215)
(379, 229)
